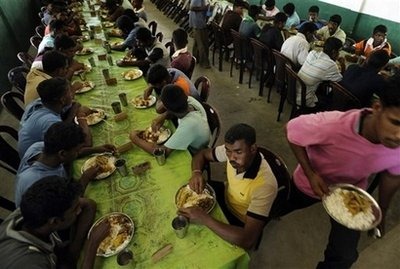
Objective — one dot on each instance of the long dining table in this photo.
(148, 199)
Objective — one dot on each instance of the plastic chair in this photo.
(219, 44)
(25, 58)
(17, 77)
(153, 27)
(262, 62)
(203, 85)
(214, 123)
(6, 204)
(239, 55)
(170, 46)
(13, 102)
(340, 98)
(35, 41)
(294, 84)
(40, 30)
(9, 158)
(189, 72)
(160, 36)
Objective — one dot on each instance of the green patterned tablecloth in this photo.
(149, 199)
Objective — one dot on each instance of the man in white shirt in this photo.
(332, 29)
(296, 48)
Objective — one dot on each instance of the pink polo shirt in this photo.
(337, 152)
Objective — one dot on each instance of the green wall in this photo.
(18, 19)
(356, 25)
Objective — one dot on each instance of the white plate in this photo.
(88, 85)
(87, 68)
(92, 161)
(208, 191)
(115, 219)
(164, 134)
(362, 220)
(137, 101)
(84, 51)
(108, 24)
(94, 117)
(132, 74)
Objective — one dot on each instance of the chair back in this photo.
(160, 36)
(25, 58)
(295, 84)
(35, 41)
(6, 204)
(203, 85)
(189, 72)
(17, 77)
(218, 35)
(238, 49)
(283, 178)
(153, 27)
(13, 103)
(9, 158)
(280, 72)
(214, 123)
(340, 98)
(40, 30)
(171, 48)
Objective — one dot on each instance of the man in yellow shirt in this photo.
(249, 191)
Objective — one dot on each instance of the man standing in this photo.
(248, 194)
(198, 22)
(332, 29)
(346, 147)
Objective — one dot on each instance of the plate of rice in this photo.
(352, 207)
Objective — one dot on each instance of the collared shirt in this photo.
(366, 47)
(325, 34)
(270, 13)
(47, 42)
(296, 48)
(198, 19)
(337, 152)
(249, 28)
(317, 68)
(272, 37)
(318, 23)
(182, 60)
(33, 78)
(252, 192)
(293, 20)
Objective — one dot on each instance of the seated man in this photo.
(138, 8)
(150, 51)
(182, 58)
(272, 36)
(159, 76)
(56, 28)
(363, 81)
(62, 143)
(232, 20)
(249, 191)
(193, 131)
(129, 27)
(293, 18)
(346, 147)
(114, 10)
(54, 105)
(313, 12)
(29, 239)
(248, 27)
(378, 41)
(296, 47)
(321, 66)
(332, 29)
(269, 9)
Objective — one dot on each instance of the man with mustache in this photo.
(346, 147)
(247, 195)
(332, 29)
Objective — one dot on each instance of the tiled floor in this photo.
(297, 240)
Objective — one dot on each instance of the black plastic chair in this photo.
(239, 55)
(171, 48)
(214, 123)
(25, 58)
(340, 98)
(189, 72)
(294, 84)
(35, 41)
(219, 44)
(6, 204)
(40, 30)
(262, 62)
(9, 158)
(153, 27)
(17, 77)
(203, 85)
(160, 36)
(13, 102)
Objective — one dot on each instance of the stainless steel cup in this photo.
(120, 164)
(110, 60)
(159, 154)
(116, 106)
(92, 62)
(180, 224)
(123, 99)
(106, 73)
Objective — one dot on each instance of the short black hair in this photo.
(53, 89)
(241, 131)
(62, 136)
(180, 38)
(157, 73)
(269, 3)
(336, 19)
(378, 59)
(253, 11)
(144, 34)
(56, 25)
(331, 44)
(314, 9)
(53, 60)
(63, 42)
(174, 98)
(289, 9)
(125, 23)
(47, 198)
(380, 29)
(131, 14)
(308, 27)
(280, 17)
(389, 95)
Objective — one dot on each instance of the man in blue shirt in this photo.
(248, 27)
(129, 27)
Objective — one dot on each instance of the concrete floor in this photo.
(297, 240)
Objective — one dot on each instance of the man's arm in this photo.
(388, 186)
(147, 146)
(245, 237)
(197, 182)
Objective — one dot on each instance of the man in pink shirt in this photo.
(346, 147)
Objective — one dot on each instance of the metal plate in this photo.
(207, 189)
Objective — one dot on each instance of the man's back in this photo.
(231, 20)
(296, 48)
(272, 37)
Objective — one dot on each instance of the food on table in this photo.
(186, 197)
(108, 24)
(119, 43)
(95, 117)
(86, 86)
(132, 74)
(116, 32)
(105, 163)
(84, 51)
(141, 168)
(129, 58)
(140, 102)
(158, 136)
(319, 43)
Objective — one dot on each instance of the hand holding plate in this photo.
(318, 185)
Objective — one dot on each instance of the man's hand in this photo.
(134, 136)
(106, 148)
(84, 111)
(99, 232)
(147, 92)
(75, 66)
(90, 174)
(197, 182)
(318, 185)
(194, 214)
(76, 86)
(157, 123)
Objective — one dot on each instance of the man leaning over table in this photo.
(332, 29)
(193, 131)
(346, 147)
(28, 236)
(249, 191)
